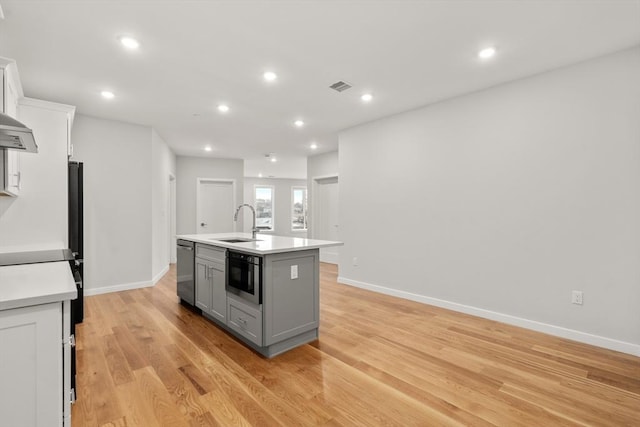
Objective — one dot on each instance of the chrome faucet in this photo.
(254, 230)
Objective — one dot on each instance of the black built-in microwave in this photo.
(244, 276)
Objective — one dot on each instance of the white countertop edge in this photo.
(266, 244)
(35, 284)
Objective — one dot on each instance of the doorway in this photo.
(325, 214)
(215, 203)
(172, 219)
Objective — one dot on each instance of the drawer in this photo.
(212, 253)
(244, 320)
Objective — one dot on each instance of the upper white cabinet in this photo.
(9, 159)
(51, 123)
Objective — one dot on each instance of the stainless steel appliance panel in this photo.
(185, 271)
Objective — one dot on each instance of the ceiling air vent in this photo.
(340, 86)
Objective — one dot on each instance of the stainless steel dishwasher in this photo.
(185, 276)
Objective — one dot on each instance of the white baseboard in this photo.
(117, 288)
(559, 331)
(158, 276)
(126, 286)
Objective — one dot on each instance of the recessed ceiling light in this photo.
(313, 146)
(129, 42)
(223, 108)
(273, 159)
(366, 97)
(208, 148)
(487, 52)
(299, 123)
(260, 175)
(270, 76)
(107, 94)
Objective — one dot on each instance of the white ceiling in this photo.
(197, 54)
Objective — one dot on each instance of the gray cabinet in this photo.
(211, 295)
(245, 319)
(203, 285)
(291, 295)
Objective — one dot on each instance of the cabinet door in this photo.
(203, 285)
(31, 366)
(11, 158)
(219, 292)
(291, 306)
(12, 172)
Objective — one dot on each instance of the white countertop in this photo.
(266, 243)
(33, 284)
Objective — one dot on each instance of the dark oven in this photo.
(244, 276)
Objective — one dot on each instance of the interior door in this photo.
(326, 212)
(215, 206)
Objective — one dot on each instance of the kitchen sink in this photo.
(236, 240)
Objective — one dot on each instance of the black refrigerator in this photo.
(76, 235)
(76, 246)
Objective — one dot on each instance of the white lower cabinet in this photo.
(35, 385)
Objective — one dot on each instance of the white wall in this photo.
(502, 202)
(163, 165)
(37, 219)
(319, 166)
(283, 204)
(189, 169)
(117, 160)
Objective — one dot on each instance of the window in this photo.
(264, 208)
(298, 208)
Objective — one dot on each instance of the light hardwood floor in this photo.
(145, 360)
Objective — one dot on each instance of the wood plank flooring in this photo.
(145, 360)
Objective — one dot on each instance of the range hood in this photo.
(15, 135)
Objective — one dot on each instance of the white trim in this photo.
(559, 331)
(224, 180)
(159, 276)
(117, 288)
(48, 105)
(171, 213)
(127, 286)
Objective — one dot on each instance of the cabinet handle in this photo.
(243, 321)
(71, 340)
(203, 224)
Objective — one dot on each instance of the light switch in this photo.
(294, 272)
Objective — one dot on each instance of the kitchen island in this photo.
(283, 311)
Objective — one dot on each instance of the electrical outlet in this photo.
(576, 297)
(294, 272)
(355, 261)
